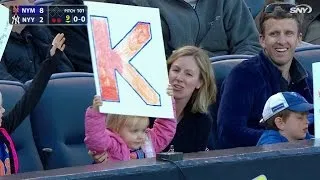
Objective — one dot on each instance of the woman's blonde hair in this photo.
(204, 96)
(115, 121)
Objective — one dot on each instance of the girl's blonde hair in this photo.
(115, 121)
(206, 94)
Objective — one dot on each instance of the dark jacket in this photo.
(244, 93)
(77, 47)
(218, 26)
(273, 137)
(192, 132)
(25, 53)
(12, 119)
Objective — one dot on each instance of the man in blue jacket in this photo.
(252, 82)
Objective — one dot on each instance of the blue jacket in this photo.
(273, 137)
(244, 93)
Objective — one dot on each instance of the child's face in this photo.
(296, 126)
(2, 110)
(134, 136)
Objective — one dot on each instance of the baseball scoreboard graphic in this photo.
(48, 15)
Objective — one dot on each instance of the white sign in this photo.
(316, 97)
(128, 59)
(5, 28)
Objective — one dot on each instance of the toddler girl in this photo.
(126, 137)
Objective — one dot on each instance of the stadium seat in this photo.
(222, 67)
(28, 156)
(230, 57)
(255, 6)
(58, 120)
(308, 55)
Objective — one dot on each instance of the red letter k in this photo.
(109, 60)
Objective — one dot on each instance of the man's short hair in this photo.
(279, 12)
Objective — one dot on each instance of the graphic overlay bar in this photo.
(32, 15)
(67, 15)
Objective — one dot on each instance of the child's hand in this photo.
(58, 42)
(99, 158)
(96, 102)
(170, 90)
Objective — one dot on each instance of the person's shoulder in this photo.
(271, 137)
(201, 115)
(232, 3)
(309, 136)
(114, 135)
(41, 32)
(249, 68)
(272, 133)
(229, 1)
(252, 62)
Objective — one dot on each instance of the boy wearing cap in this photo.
(285, 117)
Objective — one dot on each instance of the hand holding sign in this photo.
(96, 102)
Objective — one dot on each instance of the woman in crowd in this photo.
(194, 89)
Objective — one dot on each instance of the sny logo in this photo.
(301, 8)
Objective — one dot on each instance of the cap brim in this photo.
(303, 107)
(262, 120)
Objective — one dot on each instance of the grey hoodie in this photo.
(219, 26)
